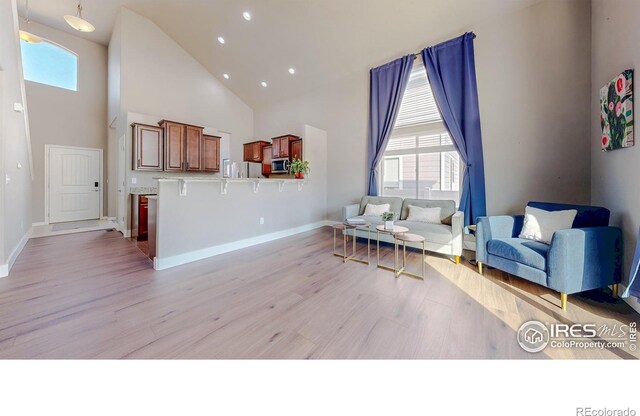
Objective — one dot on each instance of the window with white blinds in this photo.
(420, 160)
(418, 105)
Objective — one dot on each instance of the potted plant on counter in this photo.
(299, 168)
(388, 217)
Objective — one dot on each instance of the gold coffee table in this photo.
(393, 232)
(344, 228)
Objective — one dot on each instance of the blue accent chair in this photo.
(587, 256)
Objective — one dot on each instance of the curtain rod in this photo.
(418, 55)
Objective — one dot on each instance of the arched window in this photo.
(50, 64)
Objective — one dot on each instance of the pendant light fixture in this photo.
(25, 35)
(77, 22)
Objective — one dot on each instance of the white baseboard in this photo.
(177, 260)
(6, 268)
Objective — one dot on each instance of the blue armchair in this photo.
(587, 256)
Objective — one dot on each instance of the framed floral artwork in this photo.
(616, 112)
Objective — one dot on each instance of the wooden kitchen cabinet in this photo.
(284, 147)
(266, 160)
(184, 148)
(174, 141)
(281, 146)
(253, 151)
(296, 149)
(148, 153)
(275, 146)
(143, 216)
(210, 153)
(193, 148)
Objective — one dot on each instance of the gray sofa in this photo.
(445, 238)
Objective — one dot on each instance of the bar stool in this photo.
(410, 238)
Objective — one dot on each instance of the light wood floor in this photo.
(95, 295)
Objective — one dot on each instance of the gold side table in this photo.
(393, 232)
(344, 228)
(410, 238)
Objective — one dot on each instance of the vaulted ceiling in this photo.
(324, 40)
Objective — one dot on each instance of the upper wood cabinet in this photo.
(296, 149)
(253, 151)
(275, 148)
(266, 160)
(147, 147)
(193, 148)
(210, 153)
(173, 145)
(282, 146)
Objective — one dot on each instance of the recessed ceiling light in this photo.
(246, 15)
(221, 39)
(292, 71)
(264, 84)
(226, 76)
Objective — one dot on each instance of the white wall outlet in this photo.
(261, 220)
(18, 108)
(134, 180)
(7, 179)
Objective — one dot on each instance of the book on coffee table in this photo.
(356, 221)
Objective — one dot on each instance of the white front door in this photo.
(74, 184)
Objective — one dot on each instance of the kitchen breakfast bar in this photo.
(198, 217)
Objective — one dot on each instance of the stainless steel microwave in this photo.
(280, 165)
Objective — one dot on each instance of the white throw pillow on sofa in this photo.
(376, 210)
(430, 215)
(540, 225)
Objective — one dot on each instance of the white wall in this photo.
(114, 74)
(113, 109)
(68, 118)
(15, 197)
(614, 175)
(341, 110)
(533, 70)
(152, 77)
(533, 83)
(159, 77)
